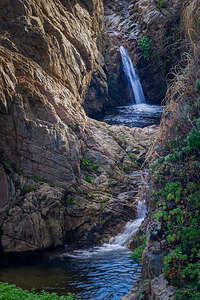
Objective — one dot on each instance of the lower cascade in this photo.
(133, 79)
(119, 241)
(101, 273)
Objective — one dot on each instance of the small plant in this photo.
(161, 4)
(88, 179)
(39, 179)
(11, 292)
(20, 172)
(30, 188)
(71, 201)
(88, 164)
(136, 254)
(133, 157)
(102, 200)
(144, 44)
(8, 161)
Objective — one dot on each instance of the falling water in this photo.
(100, 273)
(118, 242)
(132, 77)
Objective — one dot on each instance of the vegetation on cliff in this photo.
(10, 292)
(173, 228)
(175, 200)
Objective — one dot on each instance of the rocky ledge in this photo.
(38, 213)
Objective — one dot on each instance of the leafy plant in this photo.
(88, 179)
(10, 292)
(88, 164)
(144, 44)
(178, 210)
(39, 179)
(30, 188)
(136, 254)
(161, 4)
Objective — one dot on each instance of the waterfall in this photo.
(131, 227)
(132, 77)
(118, 242)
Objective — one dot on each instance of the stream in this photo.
(99, 273)
(106, 272)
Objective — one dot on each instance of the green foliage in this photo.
(136, 254)
(39, 179)
(88, 179)
(177, 207)
(88, 165)
(144, 44)
(187, 294)
(30, 188)
(10, 292)
(161, 4)
(20, 172)
(133, 157)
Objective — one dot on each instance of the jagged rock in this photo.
(126, 21)
(42, 215)
(156, 289)
(36, 223)
(161, 290)
(48, 53)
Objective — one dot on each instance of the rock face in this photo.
(127, 21)
(36, 213)
(60, 172)
(48, 52)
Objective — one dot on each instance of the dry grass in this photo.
(179, 90)
(191, 22)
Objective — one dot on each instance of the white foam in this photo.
(116, 243)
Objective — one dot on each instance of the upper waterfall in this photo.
(132, 77)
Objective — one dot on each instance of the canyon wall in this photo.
(171, 231)
(62, 175)
(129, 21)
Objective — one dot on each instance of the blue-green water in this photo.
(101, 273)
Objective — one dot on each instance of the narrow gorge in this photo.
(99, 149)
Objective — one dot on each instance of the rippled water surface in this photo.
(102, 276)
(135, 115)
(100, 273)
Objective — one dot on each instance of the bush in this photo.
(162, 4)
(137, 252)
(144, 44)
(10, 292)
(177, 206)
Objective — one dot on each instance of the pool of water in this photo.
(106, 272)
(91, 274)
(135, 115)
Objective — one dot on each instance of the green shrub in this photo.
(144, 44)
(136, 254)
(10, 292)
(88, 165)
(88, 179)
(161, 4)
(176, 198)
(30, 188)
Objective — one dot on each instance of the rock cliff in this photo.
(127, 22)
(170, 269)
(62, 174)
